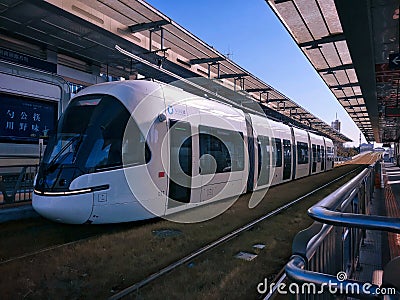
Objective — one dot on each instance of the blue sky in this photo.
(258, 42)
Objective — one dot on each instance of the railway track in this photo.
(364, 158)
(91, 266)
(30, 237)
(234, 234)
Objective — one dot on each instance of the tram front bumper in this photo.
(71, 209)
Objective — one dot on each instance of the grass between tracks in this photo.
(98, 267)
(219, 275)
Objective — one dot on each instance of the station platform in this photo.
(380, 247)
(17, 211)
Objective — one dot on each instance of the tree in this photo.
(346, 152)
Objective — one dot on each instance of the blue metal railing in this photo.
(327, 253)
(16, 183)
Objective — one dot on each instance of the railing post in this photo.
(22, 186)
(3, 190)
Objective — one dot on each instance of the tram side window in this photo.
(263, 160)
(302, 153)
(318, 153)
(221, 150)
(277, 152)
(135, 150)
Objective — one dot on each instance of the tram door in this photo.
(250, 149)
(287, 159)
(180, 179)
(295, 158)
(323, 158)
(314, 158)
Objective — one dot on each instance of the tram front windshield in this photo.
(89, 135)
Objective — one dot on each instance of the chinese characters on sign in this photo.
(27, 60)
(24, 119)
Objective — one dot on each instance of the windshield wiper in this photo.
(57, 156)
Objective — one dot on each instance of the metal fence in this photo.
(16, 183)
(327, 253)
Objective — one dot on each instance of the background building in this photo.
(336, 124)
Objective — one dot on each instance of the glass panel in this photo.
(357, 90)
(181, 146)
(93, 128)
(343, 52)
(62, 149)
(287, 159)
(329, 11)
(352, 75)
(277, 152)
(331, 54)
(221, 150)
(330, 79)
(105, 134)
(338, 93)
(263, 160)
(342, 76)
(314, 154)
(310, 13)
(302, 153)
(135, 150)
(293, 20)
(180, 161)
(316, 57)
(349, 91)
(314, 157)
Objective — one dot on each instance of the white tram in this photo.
(133, 150)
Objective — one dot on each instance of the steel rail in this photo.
(33, 253)
(130, 289)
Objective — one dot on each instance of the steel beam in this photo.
(277, 100)
(351, 97)
(258, 90)
(145, 26)
(324, 40)
(238, 75)
(196, 61)
(337, 68)
(340, 86)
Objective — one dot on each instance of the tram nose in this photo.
(71, 209)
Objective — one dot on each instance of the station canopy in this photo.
(123, 38)
(354, 46)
